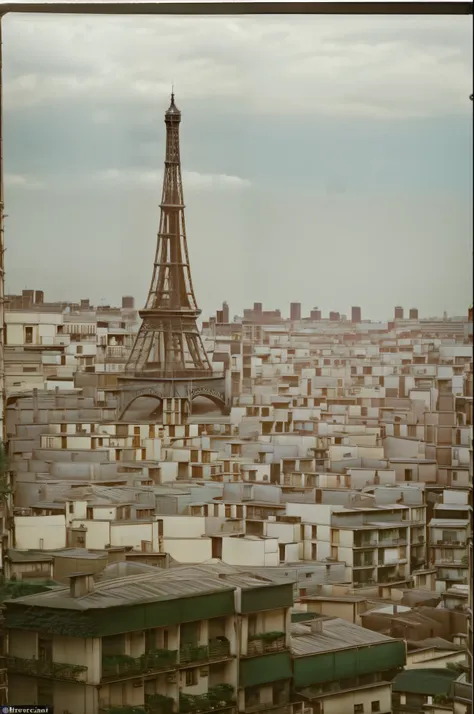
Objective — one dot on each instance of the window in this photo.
(191, 677)
(358, 709)
(28, 335)
(252, 625)
(79, 349)
(375, 706)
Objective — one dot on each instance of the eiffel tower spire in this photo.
(168, 359)
(168, 343)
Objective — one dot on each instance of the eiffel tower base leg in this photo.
(175, 396)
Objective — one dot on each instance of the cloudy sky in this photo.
(326, 160)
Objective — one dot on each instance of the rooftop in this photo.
(336, 634)
(145, 587)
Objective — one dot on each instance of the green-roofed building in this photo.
(414, 688)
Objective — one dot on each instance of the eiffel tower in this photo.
(168, 360)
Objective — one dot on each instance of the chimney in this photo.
(128, 302)
(81, 584)
(316, 626)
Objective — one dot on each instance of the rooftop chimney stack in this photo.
(81, 584)
(316, 625)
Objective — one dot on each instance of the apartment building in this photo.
(48, 343)
(340, 667)
(449, 535)
(192, 638)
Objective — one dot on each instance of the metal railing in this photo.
(116, 667)
(261, 644)
(216, 649)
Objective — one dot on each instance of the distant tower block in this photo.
(398, 313)
(334, 316)
(219, 317)
(128, 302)
(258, 308)
(168, 361)
(225, 313)
(315, 314)
(356, 314)
(413, 314)
(39, 297)
(295, 311)
(470, 314)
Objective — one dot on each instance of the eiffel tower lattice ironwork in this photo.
(168, 359)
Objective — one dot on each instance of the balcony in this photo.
(159, 704)
(365, 544)
(216, 649)
(265, 642)
(392, 542)
(220, 698)
(47, 670)
(122, 666)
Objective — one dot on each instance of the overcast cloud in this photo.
(326, 160)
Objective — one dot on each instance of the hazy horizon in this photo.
(326, 160)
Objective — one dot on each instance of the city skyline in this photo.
(358, 190)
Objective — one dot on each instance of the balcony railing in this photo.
(49, 670)
(365, 544)
(218, 698)
(266, 642)
(119, 666)
(216, 649)
(391, 542)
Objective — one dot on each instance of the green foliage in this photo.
(203, 702)
(59, 622)
(267, 636)
(12, 589)
(457, 667)
(159, 704)
(440, 699)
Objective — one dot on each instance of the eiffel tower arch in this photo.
(168, 360)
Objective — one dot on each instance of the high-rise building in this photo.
(356, 314)
(334, 316)
(398, 313)
(315, 314)
(413, 314)
(225, 312)
(295, 311)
